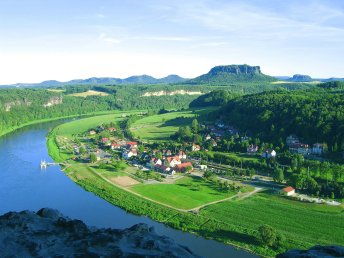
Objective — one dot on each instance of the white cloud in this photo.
(111, 40)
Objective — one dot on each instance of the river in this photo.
(24, 186)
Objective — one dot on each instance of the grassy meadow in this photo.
(186, 193)
(161, 127)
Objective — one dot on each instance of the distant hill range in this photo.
(230, 74)
(140, 79)
(219, 75)
(306, 78)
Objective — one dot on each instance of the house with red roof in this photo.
(288, 191)
(183, 167)
(131, 145)
(173, 161)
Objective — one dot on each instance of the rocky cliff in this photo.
(300, 78)
(231, 74)
(47, 233)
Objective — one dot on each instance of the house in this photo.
(213, 143)
(183, 167)
(153, 162)
(128, 154)
(196, 147)
(208, 137)
(173, 161)
(166, 152)
(292, 139)
(106, 141)
(115, 145)
(164, 169)
(269, 154)
(288, 191)
(112, 129)
(318, 149)
(182, 155)
(131, 145)
(300, 148)
(92, 132)
(252, 149)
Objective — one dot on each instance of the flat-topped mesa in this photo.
(301, 78)
(236, 69)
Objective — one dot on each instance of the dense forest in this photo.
(314, 115)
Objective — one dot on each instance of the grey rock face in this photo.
(236, 69)
(315, 252)
(47, 233)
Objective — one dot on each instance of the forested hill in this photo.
(229, 74)
(316, 115)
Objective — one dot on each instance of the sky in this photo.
(63, 39)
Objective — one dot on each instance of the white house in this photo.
(288, 191)
(153, 162)
(128, 154)
(299, 148)
(269, 154)
(173, 161)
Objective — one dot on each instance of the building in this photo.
(112, 129)
(196, 147)
(300, 148)
(252, 149)
(269, 154)
(183, 167)
(92, 132)
(182, 154)
(173, 161)
(131, 145)
(115, 145)
(318, 149)
(153, 162)
(164, 169)
(288, 191)
(128, 154)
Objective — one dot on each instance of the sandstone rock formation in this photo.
(47, 233)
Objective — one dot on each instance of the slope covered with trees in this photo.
(315, 115)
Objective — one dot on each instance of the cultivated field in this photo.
(89, 93)
(303, 224)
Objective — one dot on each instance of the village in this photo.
(108, 142)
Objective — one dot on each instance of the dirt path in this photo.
(239, 196)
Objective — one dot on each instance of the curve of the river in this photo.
(23, 185)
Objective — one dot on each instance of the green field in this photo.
(302, 224)
(187, 193)
(161, 127)
(82, 125)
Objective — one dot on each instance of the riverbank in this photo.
(11, 129)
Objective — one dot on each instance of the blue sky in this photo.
(63, 40)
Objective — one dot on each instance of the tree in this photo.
(267, 235)
(82, 150)
(278, 175)
(195, 126)
(93, 157)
